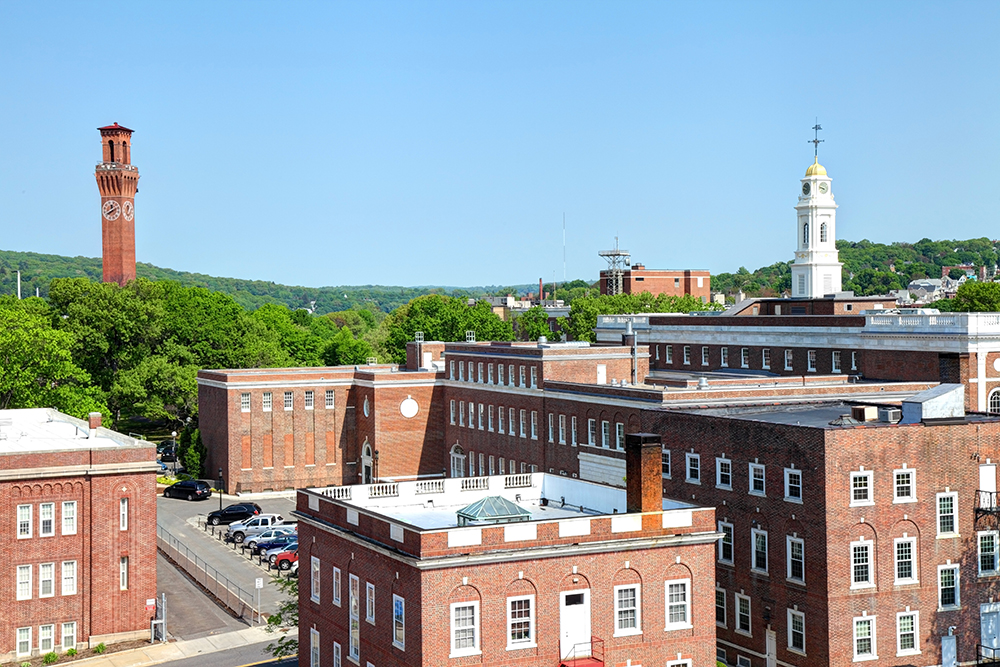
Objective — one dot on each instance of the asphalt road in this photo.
(190, 612)
(236, 657)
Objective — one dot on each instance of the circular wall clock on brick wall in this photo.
(408, 407)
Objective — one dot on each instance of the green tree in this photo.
(976, 297)
(442, 318)
(345, 349)
(532, 324)
(195, 456)
(286, 619)
(583, 313)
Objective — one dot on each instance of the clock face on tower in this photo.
(111, 210)
(128, 211)
(805, 188)
(824, 188)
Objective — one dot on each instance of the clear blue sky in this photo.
(424, 143)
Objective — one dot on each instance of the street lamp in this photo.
(221, 482)
(173, 434)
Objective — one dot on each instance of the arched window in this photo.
(805, 234)
(822, 233)
(111, 145)
(366, 464)
(994, 404)
(457, 461)
(124, 152)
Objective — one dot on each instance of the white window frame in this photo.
(123, 514)
(266, 401)
(592, 432)
(954, 514)
(46, 638)
(25, 514)
(510, 422)
(532, 610)
(314, 647)
(501, 419)
(329, 399)
(523, 421)
(854, 361)
(792, 614)
(534, 377)
(900, 651)
(461, 413)
(474, 649)
(723, 473)
(451, 369)
(572, 432)
(790, 542)
(43, 510)
(452, 405)
(811, 361)
(68, 586)
(314, 579)
(724, 356)
(46, 580)
(705, 355)
(605, 434)
(520, 376)
(744, 357)
(620, 436)
(754, 469)
(123, 573)
(789, 487)
(913, 578)
(958, 587)
(245, 402)
(724, 598)
(354, 617)
(490, 416)
(399, 604)
(336, 586)
(23, 587)
(789, 359)
(472, 415)
(482, 410)
(461, 371)
(726, 529)
(69, 517)
(562, 429)
(479, 373)
(685, 604)
(23, 635)
(687, 355)
(637, 609)
(552, 427)
(835, 361)
(337, 653)
(489, 374)
(370, 602)
(740, 614)
(288, 401)
(995, 536)
(534, 424)
(666, 465)
(68, 631)
(912, 497)
(859, 657)
(310, 400)
(755, 565)
(765, 358)
(668, 354)
(868, 546)
(870, 477)
(690, 457)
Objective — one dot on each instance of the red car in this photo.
(284, 560)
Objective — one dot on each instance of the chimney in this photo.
(643, 480)
(539, 289)
(94, 422)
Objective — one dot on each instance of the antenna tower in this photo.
(617, 261)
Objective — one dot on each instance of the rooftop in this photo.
(44, 429)
(818, 414)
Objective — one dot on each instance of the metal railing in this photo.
(987, 656)
(594, 650)
(986, 501)
(230, 594)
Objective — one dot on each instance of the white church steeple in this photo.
(816, 270)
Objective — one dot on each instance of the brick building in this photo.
(78, 517)
(521, 569)
(672, 282)
(118, 182)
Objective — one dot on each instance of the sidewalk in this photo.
(158, 653)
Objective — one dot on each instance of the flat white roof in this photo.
(45, 429)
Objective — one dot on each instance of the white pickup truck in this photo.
(242, 529)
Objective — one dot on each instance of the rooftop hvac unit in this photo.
(890, 415)
(864, 413)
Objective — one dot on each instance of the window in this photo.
(665, 462)
(605, 434)
(464, 628)
(788, 360)
(329, 398)
(988, 552)
(534, 425)
(472, 414)
(805, 241)
(510, 422)
(759, 546)
(23, 521)
(724, 473)
(524, 423)
(245, 402)
(726, 543)
(627, 610)
(905, 549)
(796, 631)
(836, 361)
(68, 636)
(482, 410)
(678, 604)
(562, 429)
(793, 485)
(704, 355)
(461, 413)
(452, 411)
(948, 597)
(370, 602)
(266, 401)
(796, 548)
(399, 604)
(904, 487)
(822, 233)
(288, 400)
(946, 514)
(510, 375)
(745, 357)
(337, 655)
(534, 377)
(572, 431)
(123, 573)
(69, 517)
(619, 436)
(862, 574)
(724, 361)
(864, 638)
(310, 400)
(479, 373)
(336, 586)
(687, 355)
(592, 432)
(46, 580)
(521, 621)
(693, 468)
(552, 427)
(46, 519)
(314, 582)
(668, 354)
(756, 479)
(461, 371)
(742, 614)
(472, 373)
(69, 577)
(451, 370)
(811, 361)
(123, 514)
(854, 361)
(23, 582)
(489, 374)
(502, 466)
(720, 607)
(23, 641)
(861, 488)
(313, 648)
(489, 421)
(354, 614)
(765, 358)
(520, 376)
(907, 631)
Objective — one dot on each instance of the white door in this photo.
(772, 649)
(989, 620)
(949, 651)
(602, 374)
(988, 484)
(428, 358)
(574, 623)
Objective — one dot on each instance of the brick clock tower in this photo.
(118, 182)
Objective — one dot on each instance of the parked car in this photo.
(271, 554)
(294, 571)
(253, 540)
(277, 541)
(286, 559)
(168, 455)
(254, 526)
(283, 554)
(165, 445)
(190, 489)
(233, 513)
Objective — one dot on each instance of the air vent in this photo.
(890, 415)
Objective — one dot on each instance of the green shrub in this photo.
(71, 652)
(51, 658)
(25, 664)
(100, 648)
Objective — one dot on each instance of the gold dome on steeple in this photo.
(816, 169)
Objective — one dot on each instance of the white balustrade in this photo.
(517, 481)
(390, 490)
(431, 486)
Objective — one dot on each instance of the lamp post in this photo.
(221, 486)
(173, 434)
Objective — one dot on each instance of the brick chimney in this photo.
(94, 423)
(643, 480)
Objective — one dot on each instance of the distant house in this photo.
(926, 289)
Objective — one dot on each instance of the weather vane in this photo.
(816, 141)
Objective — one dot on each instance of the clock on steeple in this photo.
(816, 270)
(118, 182)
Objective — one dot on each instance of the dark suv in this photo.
(234, 512)
(191, 489)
